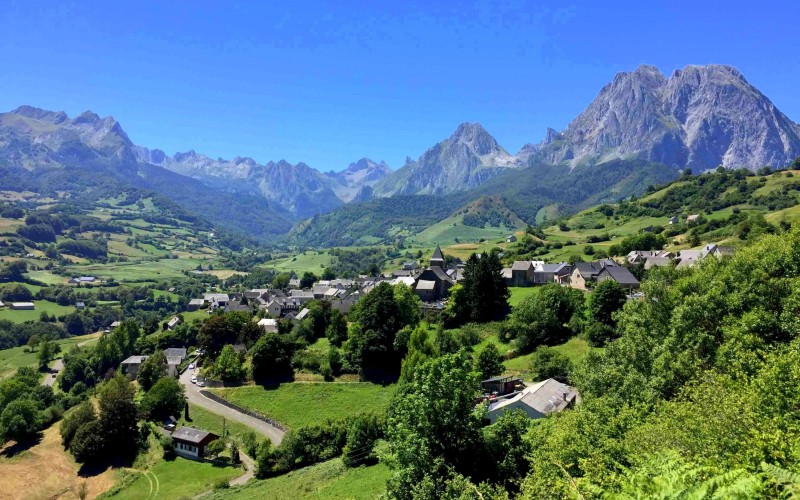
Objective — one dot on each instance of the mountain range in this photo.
(698, 117)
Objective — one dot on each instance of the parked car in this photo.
(200, 383)
(193, 379)
(191, 366)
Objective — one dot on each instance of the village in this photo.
(432, 284)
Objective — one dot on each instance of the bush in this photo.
(221, 484)
(598, 334)
(549, 363)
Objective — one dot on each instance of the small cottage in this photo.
(192, 443)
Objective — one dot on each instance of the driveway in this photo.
(193, 395)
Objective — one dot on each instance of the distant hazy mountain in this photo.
(465, 160)
(700, 117)
(301, 189)
(89, 156)
(357, 179)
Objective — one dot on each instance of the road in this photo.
(50, 378)
(193, 395)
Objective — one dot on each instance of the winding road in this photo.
(193, 395)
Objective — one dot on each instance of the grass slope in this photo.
(326, 481)
(175, 478)
(46, 471)
(300, 404)
(16, 357)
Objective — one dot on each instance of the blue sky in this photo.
(329, 82)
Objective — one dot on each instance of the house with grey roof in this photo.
(131, 365)
(192, 443)
(619, 274)
(550, 273)
(522, 273)
(536, 401)
(652, 262)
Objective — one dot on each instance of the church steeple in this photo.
(437, 259)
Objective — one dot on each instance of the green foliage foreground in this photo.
(706, 367)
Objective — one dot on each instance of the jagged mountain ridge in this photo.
(299, 188)
(700, 117)
(466, 159)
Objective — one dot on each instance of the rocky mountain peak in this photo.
(700, 117)
(54, 117)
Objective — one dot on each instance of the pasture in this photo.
(300, 404)
(16, 357)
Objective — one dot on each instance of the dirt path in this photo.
(250, 472)
(193, 395)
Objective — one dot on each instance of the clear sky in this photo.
(329, 82)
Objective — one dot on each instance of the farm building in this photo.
(195, 304)
(22, 306)
(501, 385)
(174, 323)
(192, 443)
(537, 401)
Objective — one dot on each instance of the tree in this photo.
(228, 366)
(281, 281)
(216, 332)
(483, 294)
(47, 352)
(328, 274)
(509, 448)
(166, 398)
(89, 443)
(336, 332)
(20, 420)
(371, 346)
(607, 298)
(432, 425)
(420, 350)
(489, 362)
(152, 369)
(547, 363)
(308, 279)
(409, 304)
(117, 420)
(272, 357)
(363, 432)
(74, 420)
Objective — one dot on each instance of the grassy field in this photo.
(136, 271)
(47, 277)
(176, 478)
(208, 421)
(312, 261)
(47, 471)
(41, 306)
(518, 293)
(300, 404)
(16, 357)
(326, 481)
(575, 349)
